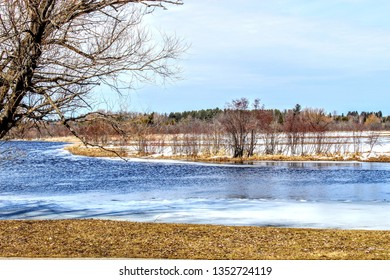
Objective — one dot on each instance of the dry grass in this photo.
(68, 139)
(381, 158)
(113, 239)
(96, 151)
(253, 159)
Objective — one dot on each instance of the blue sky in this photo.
(331, 54)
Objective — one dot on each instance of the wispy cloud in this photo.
(225, 33)
(280, 45)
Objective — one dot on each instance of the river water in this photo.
(46, 182)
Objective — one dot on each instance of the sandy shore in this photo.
(113, 239)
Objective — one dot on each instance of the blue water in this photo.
(45, 182)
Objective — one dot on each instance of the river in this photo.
(46, 182)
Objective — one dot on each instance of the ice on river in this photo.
(299, 214)
(49, 183)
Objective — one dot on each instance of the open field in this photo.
(113, 239)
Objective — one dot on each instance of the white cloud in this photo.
(290, 48)
(228, 32)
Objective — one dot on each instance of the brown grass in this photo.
(381, 158)
(113, 239)
(69, 139)
(253, 159)
(96, 151)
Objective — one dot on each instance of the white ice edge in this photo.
(299, 214)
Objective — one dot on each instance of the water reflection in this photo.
(310, 164)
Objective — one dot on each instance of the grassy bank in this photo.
(113, 239)
(81, 150)
(114, 152)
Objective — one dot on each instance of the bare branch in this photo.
(53, 53)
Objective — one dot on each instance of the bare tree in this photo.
(293, 128)
(317, 123)
(357, 138)
(270, 133)
(53, 53)
(139, 132)
(217, 136)
(235, 121)
(241, 123)
(254, 126)
(373, 139)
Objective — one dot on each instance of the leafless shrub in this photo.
(372, 139)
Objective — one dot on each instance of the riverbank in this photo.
(77, 148)
(81, 150)
(114, 239)
(65, 139)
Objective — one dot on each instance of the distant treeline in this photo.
(204, 114)
(176, 122)
(198, 121)
(238, 128)
(210, 114)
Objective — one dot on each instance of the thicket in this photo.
(242, 129)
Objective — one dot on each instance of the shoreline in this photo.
(80, 150)
(75, 147)
(120, 239)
